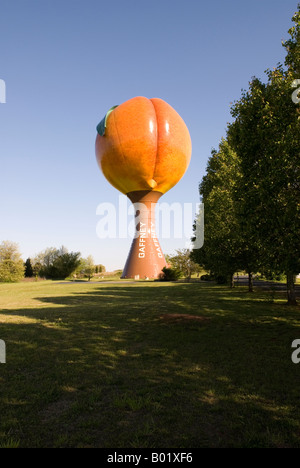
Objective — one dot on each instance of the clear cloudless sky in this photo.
(66, 62)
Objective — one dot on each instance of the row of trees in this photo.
(251, 190)
(52, 263)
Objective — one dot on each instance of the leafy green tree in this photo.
(87, 267)
(56, 263)
(43, 262)
(292, 46)
(64, 265)
(37, 268)
(11, 263)
(222, 244)
(28, 269)
(101, 268)
(183, 262)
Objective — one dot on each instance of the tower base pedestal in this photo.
(145, 259)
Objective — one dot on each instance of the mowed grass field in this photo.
(114, 365)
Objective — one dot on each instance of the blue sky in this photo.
(66, 62)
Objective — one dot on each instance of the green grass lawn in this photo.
(111, 365)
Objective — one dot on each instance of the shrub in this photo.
(207, 278)
(169, 274)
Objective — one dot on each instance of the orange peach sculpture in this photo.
(143, 148)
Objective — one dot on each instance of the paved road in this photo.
(240, 281)
(98, 282)
(243, 280)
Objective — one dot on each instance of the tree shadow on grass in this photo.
(103, 368)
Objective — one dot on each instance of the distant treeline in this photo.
(52, 263)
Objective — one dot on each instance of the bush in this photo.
(169, 274)
(273, 276)
(207, 278)
(56, 263)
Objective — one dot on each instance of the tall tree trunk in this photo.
(291, 292)
(231, 280)
(250, 281)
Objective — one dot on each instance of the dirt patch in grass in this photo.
(55, 410)
(175, 318)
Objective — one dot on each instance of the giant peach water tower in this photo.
(143, 148)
